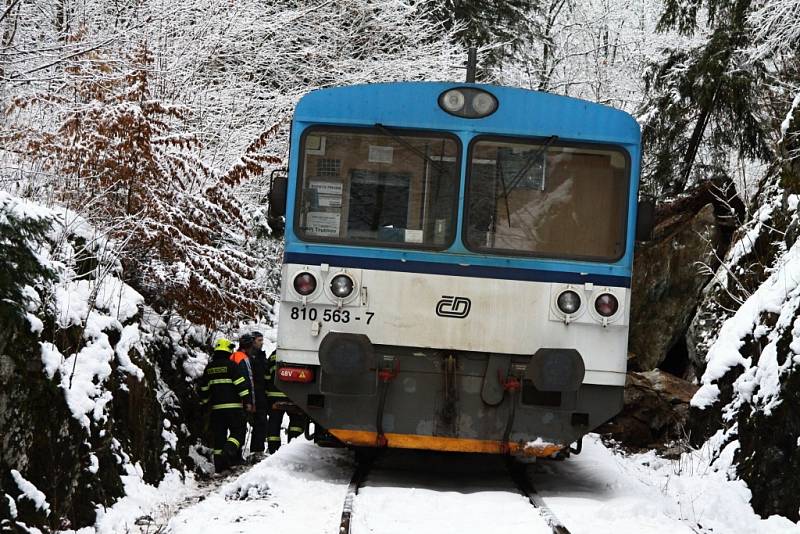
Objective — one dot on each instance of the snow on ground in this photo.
(437, 498)
(298, 490)
(601, 491)
(143, 503)
(301, 489)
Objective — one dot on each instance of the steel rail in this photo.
(362, 469)
(526, 487)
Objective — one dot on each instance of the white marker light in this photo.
(568, 302)
(483, 104)
(342, 286)
(453, 101)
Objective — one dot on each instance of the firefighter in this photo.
(259, 365)
(296, 421)
(226, 392)
(242, 358)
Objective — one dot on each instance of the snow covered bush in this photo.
(88, 374)
(20, 268)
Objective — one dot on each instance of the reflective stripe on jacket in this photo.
(269, 379)
(240, 358)
(222, 385)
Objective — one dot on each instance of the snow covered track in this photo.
(305, 489)
(352, 490)
(524, 484)
(418, 461)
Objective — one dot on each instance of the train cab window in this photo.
(536, 199)
(378, 187)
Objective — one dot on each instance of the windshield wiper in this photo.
(515, 181)
(437, 165)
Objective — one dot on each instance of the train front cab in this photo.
(454, 283)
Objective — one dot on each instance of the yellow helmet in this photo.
(223, 345)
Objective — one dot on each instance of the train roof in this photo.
(520, 112)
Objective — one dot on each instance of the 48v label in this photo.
(327, 316)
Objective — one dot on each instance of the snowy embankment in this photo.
(88, 406)
(301, 489)
(761, 382)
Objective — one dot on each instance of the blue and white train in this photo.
(457, 266)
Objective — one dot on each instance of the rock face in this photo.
(745, 345)
(655, 412)
(668, 277)
(84, 391)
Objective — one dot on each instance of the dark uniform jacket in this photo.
(243, 361)
(273, 393)
(222, 385)
(260, 368)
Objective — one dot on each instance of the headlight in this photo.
(568, 302)
(453, 101)
(305, 284)
(341, 286)
(606, 305)
(483, 103)
(468, 102)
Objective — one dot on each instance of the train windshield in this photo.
(543, 199)
(378, 187)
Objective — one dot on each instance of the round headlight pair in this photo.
(305, 284)
(569, 302)
(468, 102)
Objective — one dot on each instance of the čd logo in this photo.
(455, 307)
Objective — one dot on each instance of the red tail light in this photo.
(295, 374)
(305, 284)
(606, 304)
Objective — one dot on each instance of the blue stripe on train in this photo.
(475, 271)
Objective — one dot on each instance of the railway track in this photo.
(516, 471)
(524, 485)
(362, 469)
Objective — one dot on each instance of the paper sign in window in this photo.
(329, 194)
(323, 223)
(413, 236)
(381, 154)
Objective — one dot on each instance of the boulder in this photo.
(670, 272)
(654, 414)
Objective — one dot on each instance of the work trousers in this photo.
(259, 435)
(297, 425)
(228, 429)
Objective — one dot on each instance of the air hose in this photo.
(385, 376)
(512, 386)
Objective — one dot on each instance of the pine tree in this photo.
(704, 101)
(20, 268)
(504, 24)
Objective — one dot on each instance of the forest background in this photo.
(146, 131)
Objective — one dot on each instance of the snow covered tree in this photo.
(500, 27)
(20, 268)
(126, 162)
(596, 50)
(186, 156)
(705, 101)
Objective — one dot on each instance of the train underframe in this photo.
(528, 405)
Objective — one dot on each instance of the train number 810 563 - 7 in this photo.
(326, 315)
